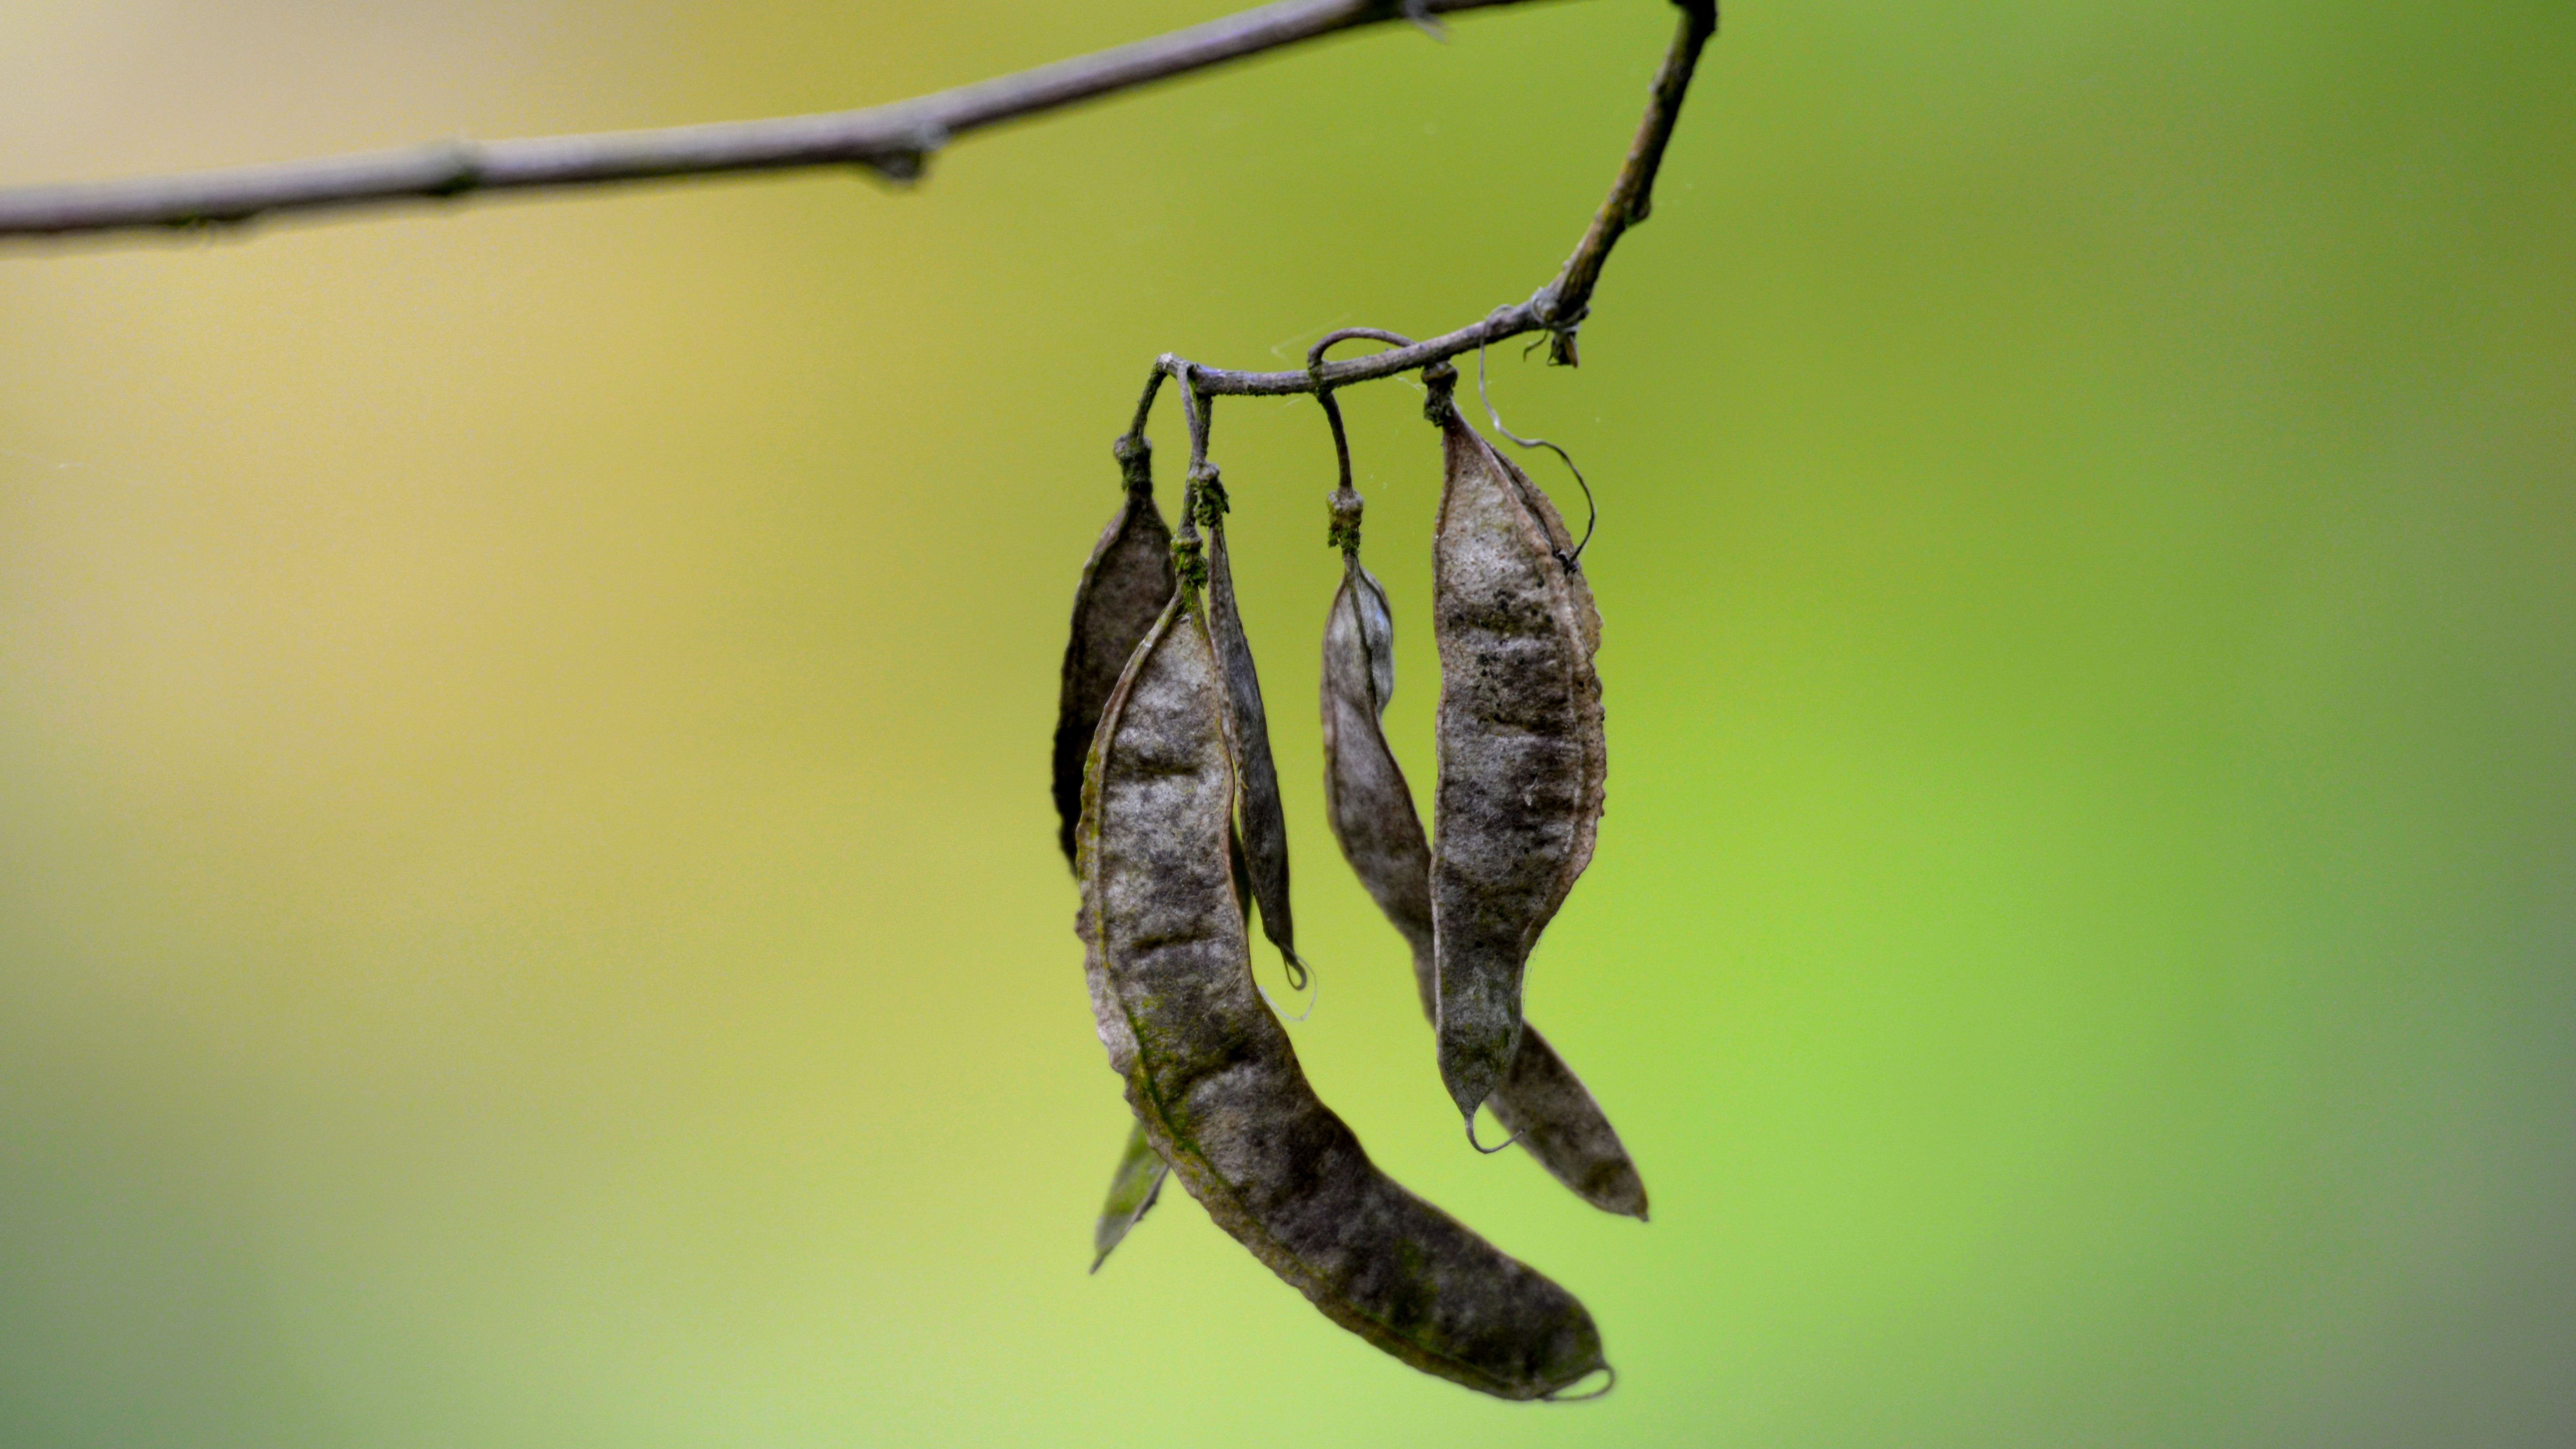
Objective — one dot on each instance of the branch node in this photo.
(1439, 382)
(1135, 455)
(1345, 507)
(463, 162)
(1559, 326)
(897, 168)
(211, 222)
(1207, 493)
(1189, 556)
(1560, 345)
(907, 164)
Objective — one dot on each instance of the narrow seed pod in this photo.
(1132, 1191)
(1539, 1100)
(1365, 794)
(1124, 586)
(1521, 756)
(1215, 1081)
(1265, 825)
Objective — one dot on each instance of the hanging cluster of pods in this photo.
(1170, 816)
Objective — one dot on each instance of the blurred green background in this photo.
(528, 908)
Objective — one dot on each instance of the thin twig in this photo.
(1324, 391)
(1509, 322)
(1145, 404)
(1562, 303)
(893, 140)
(1196, 413)
(1557, 308)
(1591, 507)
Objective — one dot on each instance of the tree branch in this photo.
(1556, 309)
(1562, 304)
(893, 140)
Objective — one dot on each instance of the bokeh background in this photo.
(528, 909)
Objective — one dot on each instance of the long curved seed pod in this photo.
(1539, 1100)
(1521, 756)
(1132, 1191)
(1215, 1081)
(1124, 587)
(1265, 825)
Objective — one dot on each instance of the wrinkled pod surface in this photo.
(1215, 1082)
(1521, 753)
(1539, 1100)
(1125, 584)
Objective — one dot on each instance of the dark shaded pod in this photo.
(1539, 1100)
(1264, 822)
(1214, 1079)
(1124, 586)
(1521, 752)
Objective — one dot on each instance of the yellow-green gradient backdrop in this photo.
(528, 906)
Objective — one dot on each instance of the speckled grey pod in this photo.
(1521, 757)
(1124, 586)
(1215, 1081)
(1140, 1168)
(1371, 809)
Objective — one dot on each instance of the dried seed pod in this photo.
(1521, 758)
(1548, 1108)
(1215, 1081)
(1132, 1191)
(1540, 1100)
(1124, 1208)
(1124, 586)
(1264, 824)
(1365, 794)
